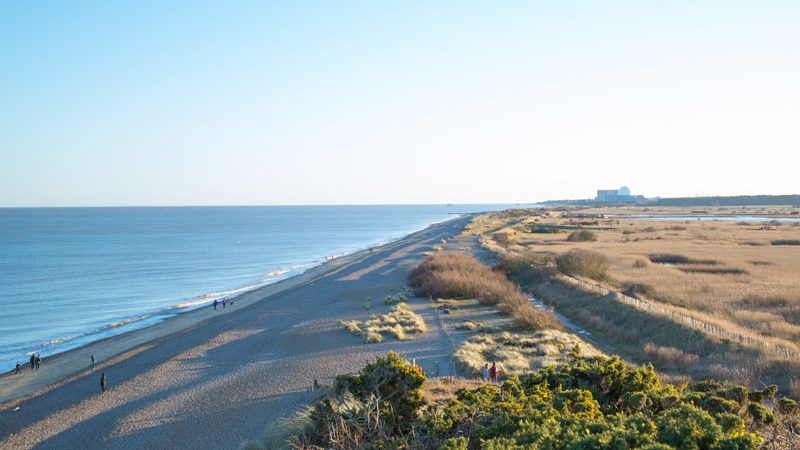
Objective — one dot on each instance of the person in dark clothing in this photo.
(215, 305)
(33, 361)
(38, 361)
(17, 368)
(92, 356)
(103, 382)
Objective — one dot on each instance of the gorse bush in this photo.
(584, 263)
(596, 403)
(582, 236)
(379, 404)
(459, 276)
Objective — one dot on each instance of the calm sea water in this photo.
(69, 276)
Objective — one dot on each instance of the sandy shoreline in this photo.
(76, 361)
(223, 363)
(63, 365)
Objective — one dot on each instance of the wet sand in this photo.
(211, 379)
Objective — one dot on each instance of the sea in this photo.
(70, 276)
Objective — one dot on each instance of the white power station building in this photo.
(622, 194)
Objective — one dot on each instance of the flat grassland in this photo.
(742, 277)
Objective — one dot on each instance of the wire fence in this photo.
(690, 321)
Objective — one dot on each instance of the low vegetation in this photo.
(786, 242)
(518, 353)
(584, 263)
(666, 258)
(591, 403)
(582, 236)
(401, 322)
(459, 276)
(720, 273)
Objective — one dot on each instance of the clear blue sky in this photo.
(295, 102)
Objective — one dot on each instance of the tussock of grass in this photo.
(470, 325)
(353, 326)
(395, 299)
(584, 263)
(641, 263)
(582, 236)
(453, 275)
(516, 353)
(400, 322)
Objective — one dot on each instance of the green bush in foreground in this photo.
(595, 403)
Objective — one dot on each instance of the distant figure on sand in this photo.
(92, 356)
(33, 361)
(38, 361)
(223, 303)
(215, 304)
(485, 372)
(17, 368)
(103, 382)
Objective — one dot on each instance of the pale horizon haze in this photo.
(356, 102)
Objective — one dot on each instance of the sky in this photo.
(339, 102)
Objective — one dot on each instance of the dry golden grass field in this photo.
(738, 276)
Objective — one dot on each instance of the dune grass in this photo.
(518, 353)
(401, 322)
(459, 276)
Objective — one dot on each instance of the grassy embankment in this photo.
(738, 277)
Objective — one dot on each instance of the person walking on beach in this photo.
(223, 303)
(485, 372)
(215, 304)
(92, 356)
(38, 361)
(33, 361)
(103, 382)
(17, 368)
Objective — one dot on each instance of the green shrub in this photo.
(593, 403)
(759, 413)
(788, 406)
(581, 236)
(687, 427)
(584, 263)
(391, 382)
